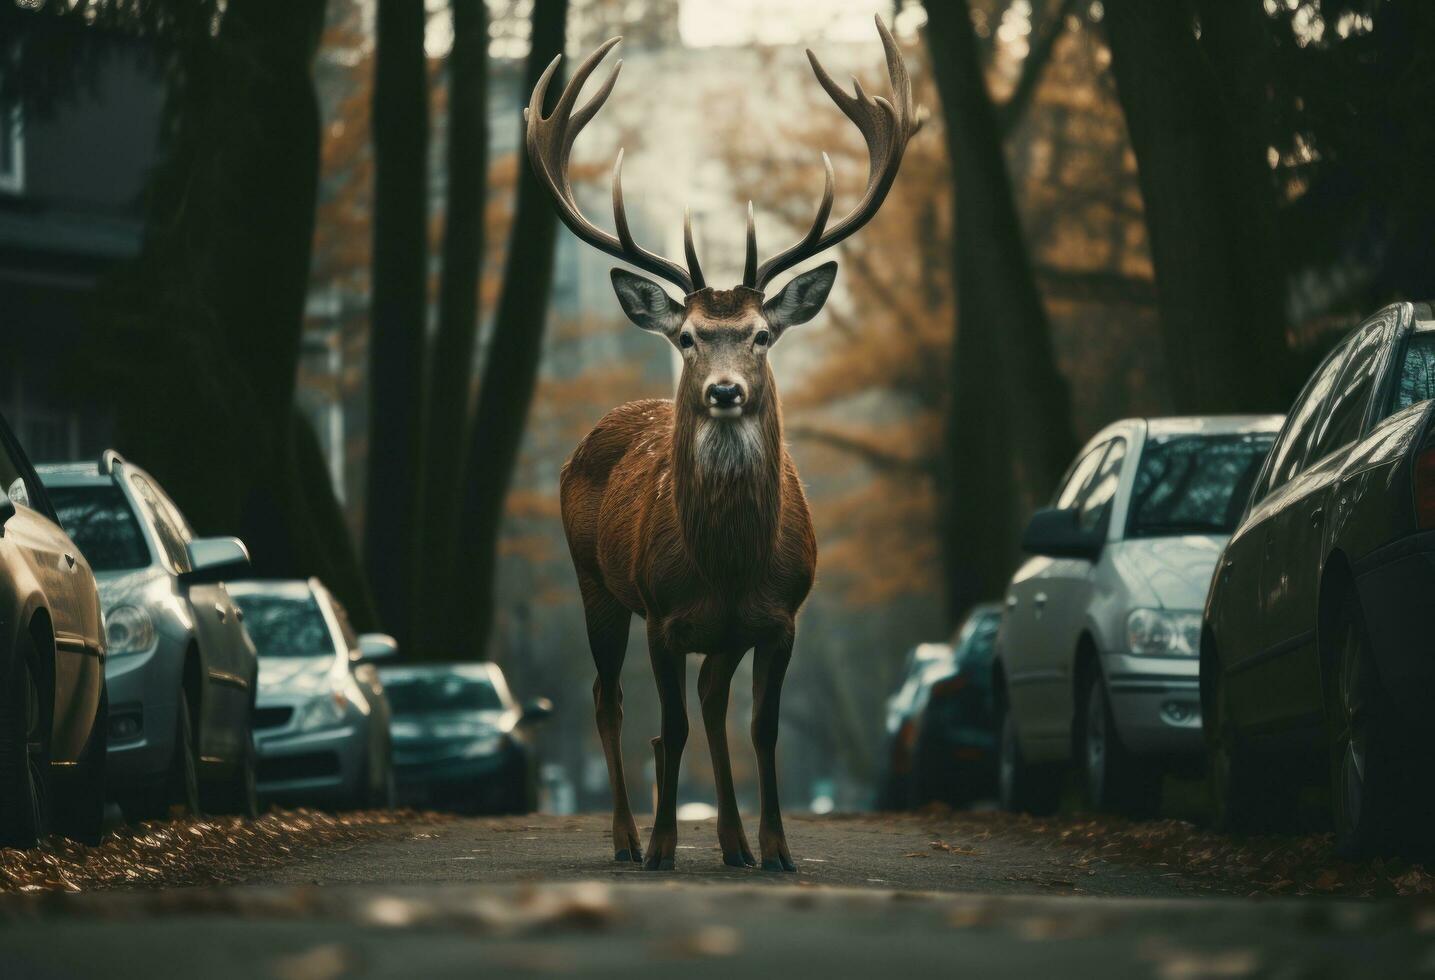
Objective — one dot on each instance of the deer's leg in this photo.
(768, 669)
(714, 684)
(608, 638)
(669, 670)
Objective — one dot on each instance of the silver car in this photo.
(322, 722)
(181, 670)
(1097, 653)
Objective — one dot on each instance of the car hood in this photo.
(296, 675)
(129, 587)
(445, 726)
(1176, 570)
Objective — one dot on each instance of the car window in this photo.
(420, 694)
(285, 625)
(1077, 479)
(177, 519)
(1350, 395)
(1416, 380)
(1096, 502)
(1290, 449)
(171, 541)
(1194, 484)
(99, 520)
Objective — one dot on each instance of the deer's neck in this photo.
(727, 487)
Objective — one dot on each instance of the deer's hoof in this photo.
(739, 860)
(627, 856)
(778, 864)
(666, 864)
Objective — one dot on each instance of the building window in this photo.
(12, 150)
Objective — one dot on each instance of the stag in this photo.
(689, 512)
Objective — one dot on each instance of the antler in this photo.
(549, 142)
(886, 126)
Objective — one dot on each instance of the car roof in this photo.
(74, 474)
(1216, 425)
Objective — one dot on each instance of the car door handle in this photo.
(1317, 517)
(223, 613)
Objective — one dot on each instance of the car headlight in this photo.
(480, 747)
(323, 711)
(1163, 633)
(128, 629)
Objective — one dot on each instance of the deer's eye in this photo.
(685, 340)
(762, 338)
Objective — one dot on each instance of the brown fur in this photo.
(717, 561)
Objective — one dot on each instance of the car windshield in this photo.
(1194, 484)
(427, 694)
(102, 525)
(1417, 371)
(286, 626)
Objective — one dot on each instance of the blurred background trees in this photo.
(344, 317)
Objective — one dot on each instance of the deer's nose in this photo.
(725, 394)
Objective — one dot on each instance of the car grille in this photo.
(272, 717)
(308, 765)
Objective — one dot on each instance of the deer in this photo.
(689, 512)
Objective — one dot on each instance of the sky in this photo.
(714, 23)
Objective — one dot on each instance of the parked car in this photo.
(924, 664)
(181, 668)
(941, 740)
(1097, 651)
(53, 710)
(322, 720)
(1316, 651)
(460, 740)
(955, 756)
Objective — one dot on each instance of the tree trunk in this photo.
(200, 342)
(1008, 429)
(510, 374)
(398, 305)
(451, 360)
(1208, 199)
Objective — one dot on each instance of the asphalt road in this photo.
(966, 895)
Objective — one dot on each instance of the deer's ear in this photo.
(646, 303)
(802, 298)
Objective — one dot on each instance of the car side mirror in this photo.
(214, 560)
(1055, 532)
(7, 511)
(536, 710)
(377, 646)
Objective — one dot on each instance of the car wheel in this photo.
(179, 787)
(384, 795)
(1244, 797)
(1366, 779)
(238, 792)
(79, 800)
(1114, 780)
(1024, 788)
(24, 747)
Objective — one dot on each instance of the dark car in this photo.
(1316, 649)
(924, 664)
(920, 755)
(54, 715)
(460, 740)
(955, 757)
